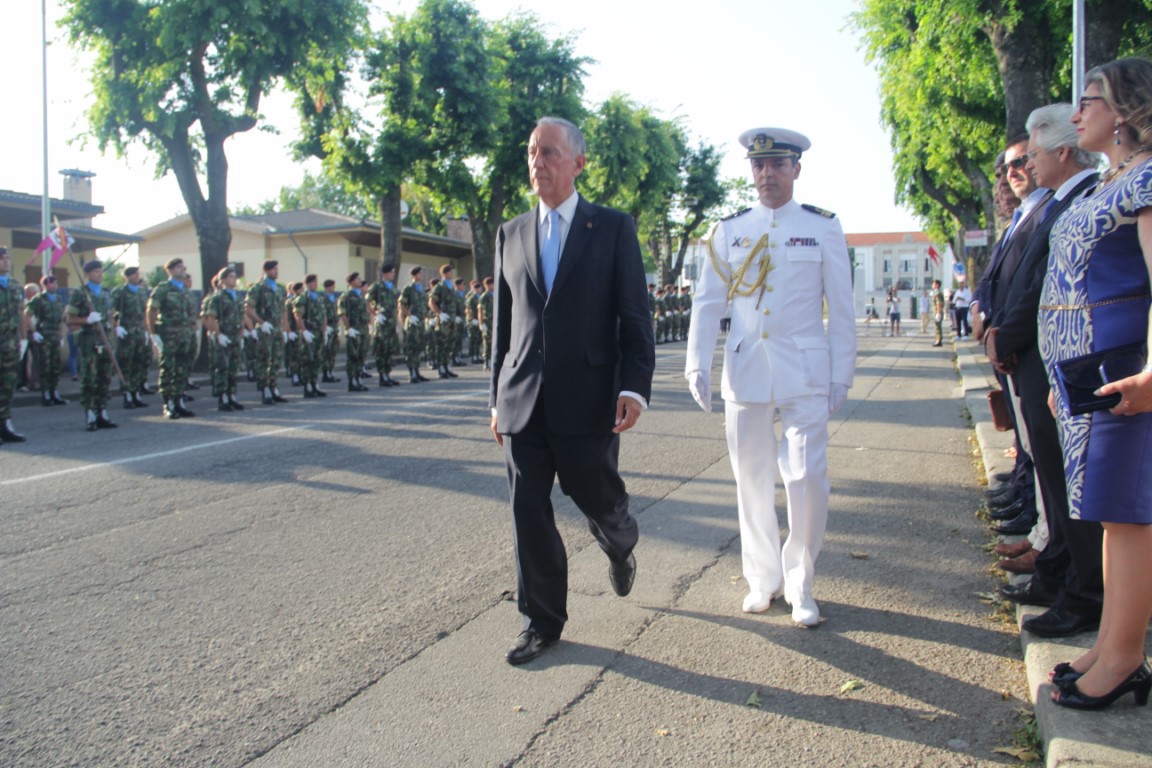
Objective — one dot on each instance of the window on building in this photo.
(887, 265)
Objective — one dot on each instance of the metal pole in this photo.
(45, 200)
(1077, 50)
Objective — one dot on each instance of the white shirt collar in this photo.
(566, 209)
(1032, 200)
(1067, 186)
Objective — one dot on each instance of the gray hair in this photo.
(575, 137)
(1051, 127)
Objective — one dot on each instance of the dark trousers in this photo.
(1072, 563)
(587, 469)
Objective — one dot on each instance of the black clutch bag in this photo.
(1079, 377)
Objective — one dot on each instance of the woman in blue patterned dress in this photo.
(1096, 297)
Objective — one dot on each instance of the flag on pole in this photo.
(933, 254)
(59, 241)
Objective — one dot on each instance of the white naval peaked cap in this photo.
(774, 142)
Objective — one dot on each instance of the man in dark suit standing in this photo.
(572, 361)
(1069, 572)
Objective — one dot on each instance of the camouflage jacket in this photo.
(226, 307)
(81, 303)
(49, 313)
(175, 308)
(129, 307)
(381, 298)
(352, 306)
(414, 299)
(267, 302)
(309, 306)
(11, 308)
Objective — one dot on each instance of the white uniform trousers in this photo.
(801, 455)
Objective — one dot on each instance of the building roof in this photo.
(872, 239)
(20, 212)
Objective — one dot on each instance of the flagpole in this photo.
(45, 200)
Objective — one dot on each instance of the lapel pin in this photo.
(589, 225)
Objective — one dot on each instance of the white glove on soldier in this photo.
(353, 333)
(266, 327)
(94, 318)
(291, 336)
(837, 394)
(700, 385)
(309, 336)
(223, 340)
(38, 337)
(158, 343)
(121, 332)
(443, 317)
(413, 321)
(23, 347)
(381, 318)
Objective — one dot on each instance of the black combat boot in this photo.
(277, 396)
(317, 391)
(103, 422)
(223, 403)
(138, 402)
(129, 403)
(235, 405)
(90, 420)
(46, 399)
(8, 434)
(182, 410)
(56, 399)
(268, 399)
(169, 409)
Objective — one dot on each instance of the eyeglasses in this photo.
(1084, 100)
(1015, 164)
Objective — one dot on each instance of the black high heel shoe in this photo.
(1139, 682)
(1063, 674)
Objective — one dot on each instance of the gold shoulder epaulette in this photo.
(734, 215)
(820, 211)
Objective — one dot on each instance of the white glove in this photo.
(459, 321)
(38, 337)
(223, 340)
(475, 323)
(381, 318)
(309, 336)
(443, 317)
(353, 333)
(937, 317)
(147, 337)
(329, 331)
(158, 344)
(266, 327)
(413, 321)
(63, 343)
(700, 386)
(23, 347)
(94, 318)
(837, 394)
(291, 336)
(121, 332)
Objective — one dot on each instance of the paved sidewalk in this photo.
(1119, 736)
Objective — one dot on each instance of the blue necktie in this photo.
(550, 249)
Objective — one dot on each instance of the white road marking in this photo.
(146, 457)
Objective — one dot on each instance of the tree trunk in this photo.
(391, 230)
(1024, 56)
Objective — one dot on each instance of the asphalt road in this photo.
(327, 583)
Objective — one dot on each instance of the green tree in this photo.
(429, 104)
(183, 76)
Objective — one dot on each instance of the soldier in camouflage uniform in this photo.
(45, 313)
(484, 313)
(133, 350)
(292, 340)
(442, 303)
(222, 312)
(661, 317)
(652, 306)
(472, 322)
(264, 308)
(461, 320)
(382, 299)
(332, 335)
(413, 308)
(13, 344)
(171, 317)
(686, 308)
(353, 312)
(88, 313)
(672, 312)
(312, 324)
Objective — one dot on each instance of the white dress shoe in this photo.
(804, 610)
(757, 601)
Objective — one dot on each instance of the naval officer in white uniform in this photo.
(775, 265)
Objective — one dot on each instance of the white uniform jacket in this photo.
(777, 347)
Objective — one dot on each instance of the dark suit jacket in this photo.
(578, 347)
(1015, 316)
(1009, 262)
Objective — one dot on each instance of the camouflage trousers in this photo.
(251, 353)
(134, 355)
(176, 361)
(48, 365)
(384, 346)
(486, 344)
(475, 340)
(355, 352)
(413, 344)
(331, 346)
(95, 374)
(9, 374)
(225, 363)
(310, 357)
(292, 356)
(441, 343)
(271, 356)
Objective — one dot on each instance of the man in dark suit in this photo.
(1073, 556)
(572, 361)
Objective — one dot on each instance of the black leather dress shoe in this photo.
(1007, 512)
(622, 575)
(999, 490)
(1060, 622)
(1004, 498)
(1032, 593)
(527, 646)
(1018, 525)
(1002, 477)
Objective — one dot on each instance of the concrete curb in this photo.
(1116, 737)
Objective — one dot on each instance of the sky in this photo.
(739, 65)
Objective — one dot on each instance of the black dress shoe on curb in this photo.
(1001, 498)
(1058, 622)
(999, 490)
(622, 575)
(1002, 477)
(1031, 593)
(1018, 525)
(527, 646)
(1007, 512)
